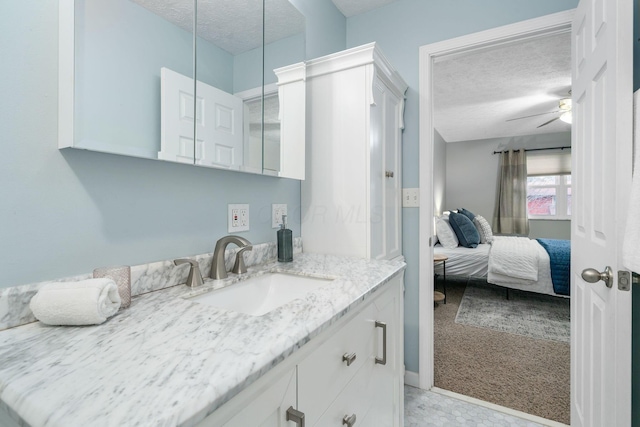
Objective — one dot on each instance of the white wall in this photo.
(472, 174)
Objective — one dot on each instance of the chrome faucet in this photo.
(218, 269)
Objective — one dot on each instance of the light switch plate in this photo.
(277, 210)
(410, 197)
(238, 218)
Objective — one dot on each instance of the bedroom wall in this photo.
(400, 28)
(472, 174)
(439, 173)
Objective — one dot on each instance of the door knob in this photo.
(592, 275)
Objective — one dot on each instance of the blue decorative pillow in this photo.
(467, 213)
(466, 232)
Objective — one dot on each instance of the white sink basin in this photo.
(260, 294)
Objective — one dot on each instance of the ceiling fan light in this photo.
(565, 104)
(567, 117)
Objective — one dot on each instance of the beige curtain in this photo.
(511, 201)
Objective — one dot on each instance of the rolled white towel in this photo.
(86, 302)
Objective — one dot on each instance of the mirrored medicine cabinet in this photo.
(129, 70)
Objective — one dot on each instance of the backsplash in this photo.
(14, 301)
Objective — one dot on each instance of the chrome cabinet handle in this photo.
(349, 421)
(592, 275)
(295, 416)
(388, 174)
(382, 325)
(349, 358)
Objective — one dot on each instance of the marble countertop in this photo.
(168, 361)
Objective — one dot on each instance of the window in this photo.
(549, 196)
(549, 184)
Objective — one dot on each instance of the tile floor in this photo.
(426, 409)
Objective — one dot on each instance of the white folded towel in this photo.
(86, 302)
(631, 244)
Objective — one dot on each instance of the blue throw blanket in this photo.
(560, 255)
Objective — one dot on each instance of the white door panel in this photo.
(221, 134)
(219, 117)
(601, 148)
(177, 115)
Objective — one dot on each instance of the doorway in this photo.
(548, 25)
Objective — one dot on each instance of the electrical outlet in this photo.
(238, 218)
(277, 210)
(410, 197)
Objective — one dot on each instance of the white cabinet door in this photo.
(393, 175)
(385, 409)
(385, 173)
(377, 180)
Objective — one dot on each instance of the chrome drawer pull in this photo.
(349, 358)
(295, 416)
(349, 421)
(382, 325)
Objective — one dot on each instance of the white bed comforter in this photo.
(514, 257)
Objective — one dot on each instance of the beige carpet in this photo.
(522, 373)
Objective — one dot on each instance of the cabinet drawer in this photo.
(323, 374)
(355, 400)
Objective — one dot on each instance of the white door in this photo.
(219, 128)
(220, 141)
(602, 150)
(176, 117)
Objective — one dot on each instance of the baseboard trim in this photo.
(412, 379)
(494, 407)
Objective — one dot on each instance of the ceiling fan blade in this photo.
(546, 123)
(533, 115)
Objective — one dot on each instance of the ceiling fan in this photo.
(564, 108)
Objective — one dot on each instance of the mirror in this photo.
(133, 77)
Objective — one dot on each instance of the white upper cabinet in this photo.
(351, 198)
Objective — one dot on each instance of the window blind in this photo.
(540, 163)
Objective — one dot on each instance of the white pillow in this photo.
(446, 235)
(484, 229)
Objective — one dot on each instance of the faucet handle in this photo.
(195, 278)
(239, 267)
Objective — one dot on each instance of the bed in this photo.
(514, 263)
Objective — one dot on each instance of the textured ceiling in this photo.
(232, 25)
(355, 7)
(477, 92)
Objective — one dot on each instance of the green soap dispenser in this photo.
(285, 242)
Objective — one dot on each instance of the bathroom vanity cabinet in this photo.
(351, 199)
(351, 371)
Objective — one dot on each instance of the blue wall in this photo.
(401, 28)
(326, 27)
